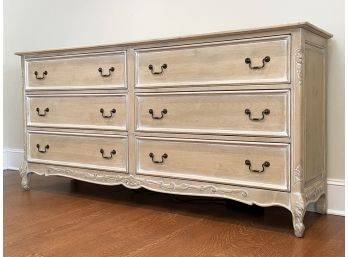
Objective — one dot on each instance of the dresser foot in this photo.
(320, 205)
(26, 177)
(298, 211)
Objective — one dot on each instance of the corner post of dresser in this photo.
(23, 170)
(297, 204)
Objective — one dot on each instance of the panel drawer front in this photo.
(247, 61)
(217, 161)
(81, 111)
(89, 151)
(94, 71)
(259, 113)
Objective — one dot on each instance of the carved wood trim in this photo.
(299, 58)
(133, 182)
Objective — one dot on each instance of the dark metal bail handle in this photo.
(112, 69)
(46, 110)
(112, 153)
(152, 156)
(112, 111)
(43, 74)
(266, 164)
(163, 67)
(164, 111)
(45, 149)
(264, 112)
(264, 60)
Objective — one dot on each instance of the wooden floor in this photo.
(65, 218)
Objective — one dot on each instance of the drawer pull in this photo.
(265, 112)
(46, 110)
(112, 69)
(112, 153)
(164, 111)
(266, 164)
(152, 156)
(264, 60)
(163, 67)
(107, 116)
(43, 74)
(42, 151)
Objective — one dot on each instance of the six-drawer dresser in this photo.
(237, 115)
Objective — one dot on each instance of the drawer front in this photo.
(97, 71)
(263, 165)
(257, 113)
(81, 111)
(86, 151)
(248, 61)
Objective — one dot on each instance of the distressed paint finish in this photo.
(292, 83)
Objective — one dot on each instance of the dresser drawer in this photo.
(88, 151)
(107, 112)
(257, 113)
(264, 165)
(246, 61)
(89, 71)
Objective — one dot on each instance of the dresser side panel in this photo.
(314, 112)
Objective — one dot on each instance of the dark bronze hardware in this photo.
(266, 164)
(43, 74)
(265, 112)
(42, 151)
(163, 67)
(46, 110)
(152, 156)
(113, 152)
(264, 60)
(107, 116)
(164, 111)
(112, 69)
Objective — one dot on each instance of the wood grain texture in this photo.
(314, 108)
(215, 113)
(81, 150)
(198, 65)
(77, 72)
(57, 218)
(216, 161)
(82, 111)
(218, 63)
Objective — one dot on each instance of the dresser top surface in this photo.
(281, 28)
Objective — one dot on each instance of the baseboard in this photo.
(12, 160)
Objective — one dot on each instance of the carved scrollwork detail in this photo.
(313, 193)
(299, 57)
(137, 182)
(298, 174)
(298, 211)
(23, 172)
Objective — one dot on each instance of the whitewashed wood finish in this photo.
(216, 161)
(74, 72)
(215, 113)
(78, 111)
(79, 150)
(303, 79)
(215, 63)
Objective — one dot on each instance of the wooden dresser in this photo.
(237, 115)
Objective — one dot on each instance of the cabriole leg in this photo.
(26, 176)
(298, 211)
